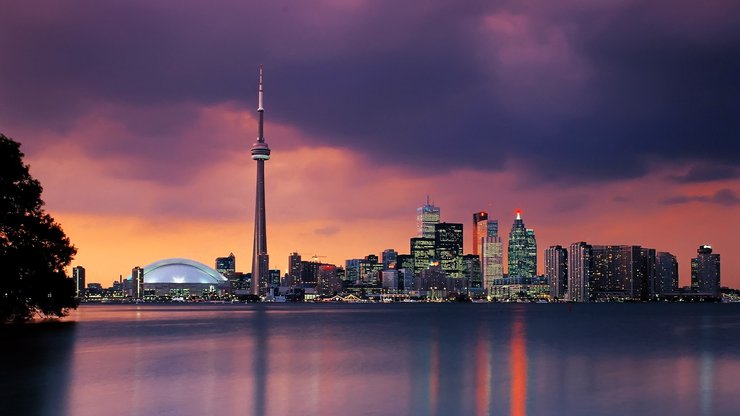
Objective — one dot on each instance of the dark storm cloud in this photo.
(725, 197)
(578, 92)
(708, 172)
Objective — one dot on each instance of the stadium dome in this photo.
(181, 271)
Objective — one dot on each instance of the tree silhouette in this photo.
(33, 248)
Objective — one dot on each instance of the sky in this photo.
(611, 122)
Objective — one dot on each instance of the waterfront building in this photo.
(448, 246)
(78, 277)
(621, 272)
(666, 273)
(389, 257)
(508, 289)
(260, 154)
(226, 265)
(556, 271)
(705, 276)
(137, 283)
(294, 269)
(472, 271)
(422, 253)
(427, 216)
(329, 282)
(579, 272)
(179, 275)
(522, 250)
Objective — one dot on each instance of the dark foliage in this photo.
(33, 248)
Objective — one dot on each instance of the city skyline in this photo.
(142, 142)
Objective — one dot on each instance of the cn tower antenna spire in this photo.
(261, 90)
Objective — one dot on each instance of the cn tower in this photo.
(260, 259)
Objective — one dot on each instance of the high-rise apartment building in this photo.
(137, 283)
(448, 246)
(705, 276)
(666, 274)
(329, 282)
(78, 276)
(622, 272)
(579, 272)
(295, 269)
(556, 271)
(522, 250)
(427, 216)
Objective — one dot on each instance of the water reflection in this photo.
(269, 360)
(518, 368)
(35, 363)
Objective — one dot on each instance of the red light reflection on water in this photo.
(518, 369)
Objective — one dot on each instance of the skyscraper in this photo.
(522, 250)
(621, 272)
(137, 283)
(705, 272)
(422, 252)
(260, 258)
(666, 273)
(579, 272)
(556, 270)
(294, 269)
(78, 276)
(448, 247)
(427, 216)
(492, 260)
(480, 230)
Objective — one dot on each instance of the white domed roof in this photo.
(182, 271)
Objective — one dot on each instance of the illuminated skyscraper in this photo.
(666, 273)
(294, 269)
(579, 272)
(705, 272)
(492, 260)
(480, 229)
(448, 245)
(522, 250)
(78, 276)
(556, 270)
(260, 258)
(621, 272)
(137, 283)
(427, 216)
(422, 252)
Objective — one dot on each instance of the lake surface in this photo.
(376, 359)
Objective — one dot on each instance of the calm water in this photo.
(404, 359)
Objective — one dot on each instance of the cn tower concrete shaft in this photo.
(260, 258)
